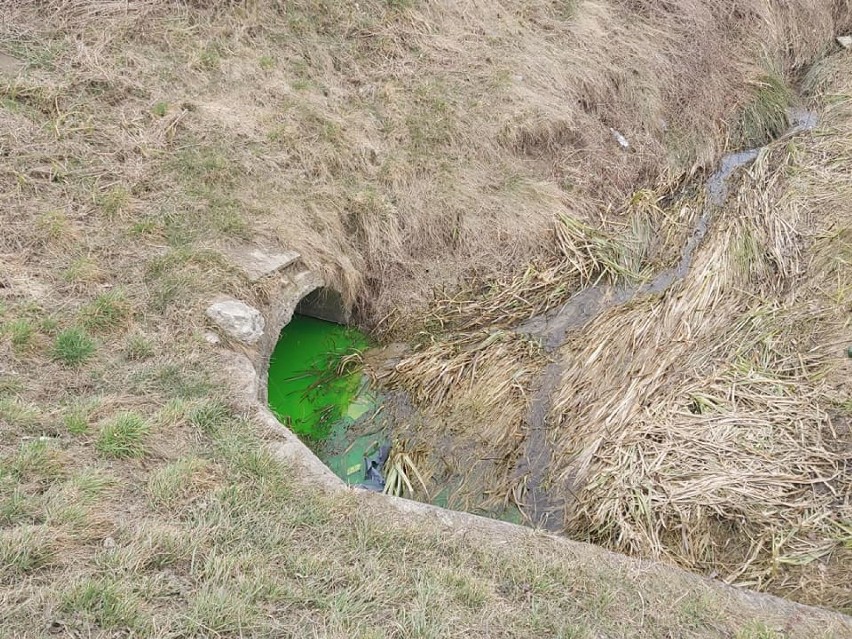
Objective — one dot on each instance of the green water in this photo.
(334, 414)
(305, 391)
(338, 416)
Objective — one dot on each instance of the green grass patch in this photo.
(82, 270)
(37, 459)
(155, 548)
(53, 226)
(24, 550)
(432, 122)
(765, 116)
(180, 382)
(78, 416)
(37, 53)
(73, 347)
(210, 57)
(209, 416)
(90, 484)
(758, 630)
(76, 423)
(106, 312)
(172, 290)
(123, 437)
(138, 348)
(106, 603)
(221, 611)
(160, 109)
(16, 506)
(698, 611)
(113, 201)
(21, 332)
(204, 165)
(177, 481)
(17, 412)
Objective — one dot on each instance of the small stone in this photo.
(238, 320)
(211, 338)
(109, 542)
(849, 352)
(845, 41)
(622, 141)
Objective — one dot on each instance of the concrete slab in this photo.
(257, 262)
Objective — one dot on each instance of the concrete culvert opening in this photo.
(324, 303)
(323, 384)
(317, 387)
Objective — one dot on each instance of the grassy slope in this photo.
(140, 135)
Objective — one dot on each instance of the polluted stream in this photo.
(318, 388)
(326, 400)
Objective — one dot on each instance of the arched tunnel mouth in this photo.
(324, 303)
(318, 388)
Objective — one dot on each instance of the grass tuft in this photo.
(21, 332)
(123, 437)
(38, 460)
(218, 612)
(138, 348)
(113, 202)
(73, 347)
(105, 602)
(181, 382)
(758, 630)
(76, 419)
(179, 481)
(209, 416)
(17, 412)
(24, 550)
(765, 116)
(160, 109)
(108, 311)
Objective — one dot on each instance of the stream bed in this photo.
(317, 386)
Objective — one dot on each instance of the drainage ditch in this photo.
(318, 386)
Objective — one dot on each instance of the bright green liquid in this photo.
(305, 391)
(337, 415)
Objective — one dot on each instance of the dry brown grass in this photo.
(707, 426)
(403, 146)
(473, 390)
(400, 147)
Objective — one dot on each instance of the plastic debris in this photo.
(622, 141)
(374, 479)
